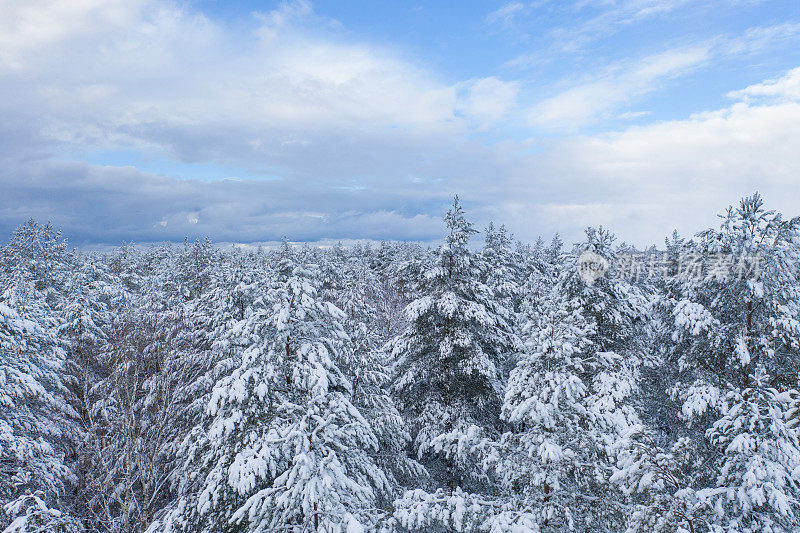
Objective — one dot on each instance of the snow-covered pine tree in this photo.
(552, 464)
(35, 416)
(195, 266)
(553, 258)
(448, 362)
(570, 398)
(543, 265)
(504, 272)
(502, 268)
(85, 318)
(217, 326)
(729, 315)
(367, 367)
(285, 448)
(331, 271)
(222, 325)
(618, 312)
(758, 481)
(42, 252)
(390, 293)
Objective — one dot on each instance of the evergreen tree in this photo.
(728, 317)
(367, 367)
(286, 449)
(35, 416)
(552, 463)
(758, 460)
(450, 356)
(569, 399)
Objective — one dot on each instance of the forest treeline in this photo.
(468, 387)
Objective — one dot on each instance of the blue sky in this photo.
(147, 120)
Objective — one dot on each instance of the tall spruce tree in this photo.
(35, 414)
(448, 379)
(285, 449)
(730, 319)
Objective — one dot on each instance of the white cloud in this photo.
(28, 27)
(761, 38)
(630, 115)
(611, 17)
(286, 12)
(489, 100)
(644, 181)
(615, 86)
(506, 13)
(110, 204)
(641, 181)
(170, 81)
(340, 125)
(784, 88)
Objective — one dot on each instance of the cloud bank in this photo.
(307, 132)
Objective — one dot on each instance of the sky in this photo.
(148, 120)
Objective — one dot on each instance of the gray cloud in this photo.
(109, 204)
